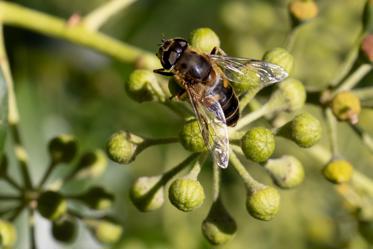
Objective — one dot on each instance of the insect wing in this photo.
(214, 130)
(235, 68)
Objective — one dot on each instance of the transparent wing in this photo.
(235, 68)
(211, 121)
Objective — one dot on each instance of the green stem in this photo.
(320, 153)
(251, 117)
(47, 173)
(13, 116)
(362, 182)
(332, 131)
(292, 38)
(249, 96)
(349, 62)
(31, 224)
(9, 197)
(95, 19)
(354, 78)
(17, 212)
(365, 93)
(249, 181)
(12, 182)
(365, 137)
(167, 176)
(216, 182)
(16, 15)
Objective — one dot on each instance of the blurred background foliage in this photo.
(64, 88)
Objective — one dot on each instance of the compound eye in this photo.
(173, 57)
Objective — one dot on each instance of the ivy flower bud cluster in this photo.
(257, 143)
(49, 201)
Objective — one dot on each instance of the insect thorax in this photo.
(193, 67)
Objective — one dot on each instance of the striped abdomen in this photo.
(229, 103)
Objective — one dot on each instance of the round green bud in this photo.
(258, 144)
(293, 93)
(186, 194)
(91, 164)
(52, 205)
(338, 171)
(97, 198)
(139, 86)
(147, 193)
(65, 230)
(8, 234)
(3, 166)
(366, 230)
(264, 203)
(305, 130)
(281, 57)
(303, 10)
(63, 148)
(286, 171)
(191, 137)
(106, 231)
(122, 146)
(247, 81)
(346, 107)
(219, 227)
(204, 39)
(147, 61)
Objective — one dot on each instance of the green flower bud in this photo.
(290, 96)
(191, 137)
(8, 234)
(286, 171)
(263, 203)
(147, 193)
(281, 57)
(106, 231)
(247, 81)
(148, 61)
(65, 230)
(305, 130)
(302, 10)
(3, 166)
(258, 144)
(91, 164)
(52, 205)
(143, 86)
(63, 148)
(97, 198)
(219, 227)
(186, 194)
(204, 39)
(366, 230)
(121, 147)
(338, 171)
(346, 107)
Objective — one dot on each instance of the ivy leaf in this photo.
(3, 110)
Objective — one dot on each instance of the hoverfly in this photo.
(206, 79)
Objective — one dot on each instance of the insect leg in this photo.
(179, 95)
(217, 51)
(161, 71)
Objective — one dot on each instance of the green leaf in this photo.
(3, 110)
